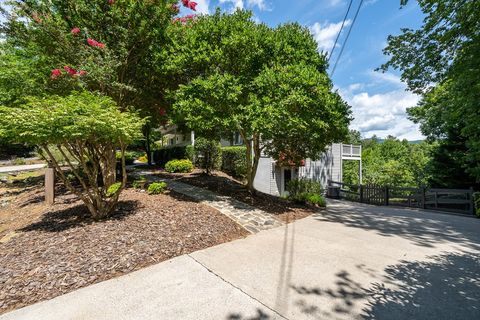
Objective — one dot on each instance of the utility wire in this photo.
(341, 29)
(346, 38)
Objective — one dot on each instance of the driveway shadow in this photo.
(447, 287)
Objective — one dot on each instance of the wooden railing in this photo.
(454, 200)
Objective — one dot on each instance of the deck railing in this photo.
(453, 200)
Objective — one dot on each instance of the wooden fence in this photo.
(453, 200)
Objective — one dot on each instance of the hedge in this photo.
(234, 161)
(166, 154)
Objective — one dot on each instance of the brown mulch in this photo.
(225, 185)
(48, 252)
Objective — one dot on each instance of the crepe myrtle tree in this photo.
(87, 129)
(107, 46)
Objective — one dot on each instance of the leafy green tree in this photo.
(440, 61)
(87, 129)
(97, 45)
(270, 85)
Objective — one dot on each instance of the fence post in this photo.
(387, 195)
(49, 186)
(361, 193)
(472, 201)
(424, 197)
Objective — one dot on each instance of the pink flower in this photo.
(75, 31)
(82, 73)
(192, 5)
(56, 73)
(70, 71)
(110, 2)
(185, 3)
(92, 42)
(95, 43)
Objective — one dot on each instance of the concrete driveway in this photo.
(350, 262)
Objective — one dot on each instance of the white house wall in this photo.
(269, 178)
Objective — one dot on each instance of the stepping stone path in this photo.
(252, 219)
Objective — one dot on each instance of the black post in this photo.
(424, 197)
(361, 193)
(387, 195)
(472, 201)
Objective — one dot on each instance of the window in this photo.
(237, 140)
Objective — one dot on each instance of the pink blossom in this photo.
(56, 73)
(110, 2)
(192, 5)
(82, 73)
(75, 31)
(70, 70)
(95, 43)
(92, 42)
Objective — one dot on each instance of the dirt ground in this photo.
(224, 184)
(49, 251)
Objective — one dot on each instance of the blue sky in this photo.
(378, 100)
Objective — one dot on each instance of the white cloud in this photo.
(382, 114)
(240, 4)
(325, 34)
(260, 4)
(202, 6)
(334, 3)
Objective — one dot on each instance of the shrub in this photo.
(85, 127)
(143, 159)
(208, 154)
(298, 189)
(476, 196)
(315, 199)
(113, 189)
(157, 187)
(181, 166)
(166, 154)
(234, 161)
(139, 183)
(129, 157)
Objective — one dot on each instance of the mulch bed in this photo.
(225, 185)
(58, 250)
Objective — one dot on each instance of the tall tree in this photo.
(98, 45)
(270, 85)
(440, 61)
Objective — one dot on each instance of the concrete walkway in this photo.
(349, 262)
(252, 219)
(27, 167)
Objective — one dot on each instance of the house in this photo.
(272, 178)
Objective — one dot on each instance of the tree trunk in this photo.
(147, 132)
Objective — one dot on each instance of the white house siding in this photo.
(265, 179)
(269, 178)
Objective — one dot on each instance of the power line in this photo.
(341, 29)
(346, 38)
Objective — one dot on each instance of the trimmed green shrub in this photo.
(113, 189)
(208, 154)
(139, 183)
(298, 189)
(166, 154)
(181, 166)
(157, 187)
(234, 161)
(315, 199)
(129, 157)
(476, 196)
